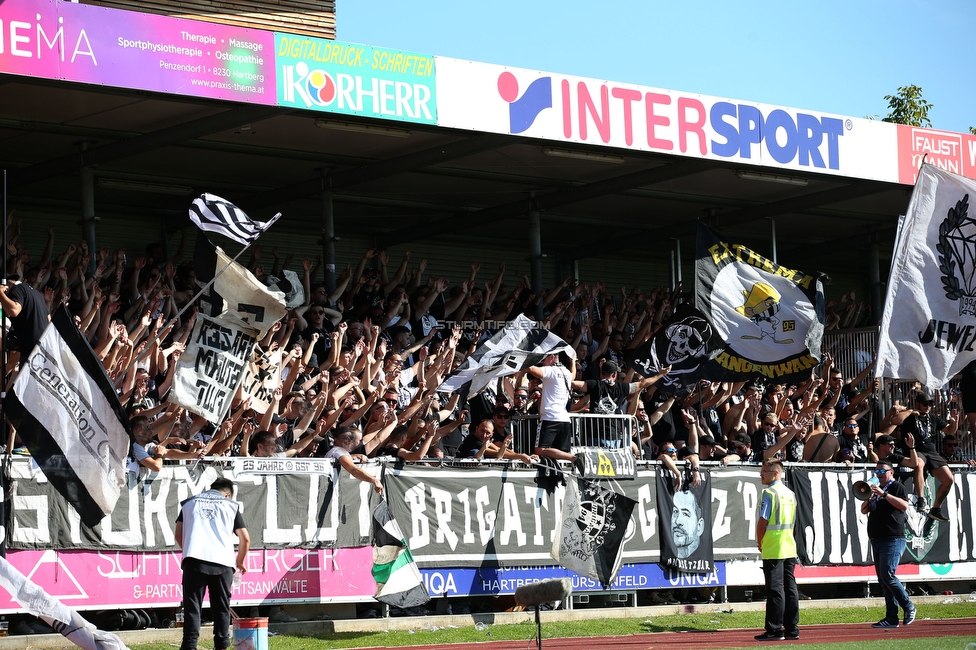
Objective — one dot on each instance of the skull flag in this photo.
(682, 343)
(767, 320)
(929, 323)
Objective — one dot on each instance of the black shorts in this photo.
(555, 435)
(933, 460)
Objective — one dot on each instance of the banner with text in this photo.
(212, 367)
(322, 75)
(127, 49)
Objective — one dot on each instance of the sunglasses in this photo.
(881, 472)
(670, 450)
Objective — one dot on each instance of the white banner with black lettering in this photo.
(262, 376)
(209, 373)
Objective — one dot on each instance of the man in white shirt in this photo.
(555, 436)
(205, 530)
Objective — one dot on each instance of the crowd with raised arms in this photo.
(362, 363)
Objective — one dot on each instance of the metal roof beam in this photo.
(381, 169)
(142, 143)
(729, 219)
(615, 185)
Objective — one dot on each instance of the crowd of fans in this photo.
(361, 365)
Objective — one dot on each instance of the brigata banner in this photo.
(126, 49)
(348, 79)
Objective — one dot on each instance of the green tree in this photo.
(908, 107)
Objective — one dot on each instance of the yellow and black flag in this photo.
(767, 320)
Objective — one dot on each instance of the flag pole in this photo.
(4, 423)
(184, 308)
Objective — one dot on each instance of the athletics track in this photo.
(834, 633)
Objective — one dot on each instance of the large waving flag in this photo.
(68, 414)
(683, 343)
(929, 322)
(592, 528)
(520, 344)
(766, 319)
(397, 577)
(214, 214)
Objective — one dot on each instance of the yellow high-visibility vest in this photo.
(778, 542)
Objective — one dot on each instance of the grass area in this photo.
(425, 634)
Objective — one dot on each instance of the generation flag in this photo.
(766, 319)
(235, 290)
(929, 323)
(592, 527)
(519, 345)
(682, 342)
(685, 523)
(68, 414)
(214, 214)
(398, 581)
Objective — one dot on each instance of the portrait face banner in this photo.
(686, 542)
(767, 320)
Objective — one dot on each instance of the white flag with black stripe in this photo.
(69, 416)
(213, 214)
(520, 344)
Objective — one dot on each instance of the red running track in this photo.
(836, 633)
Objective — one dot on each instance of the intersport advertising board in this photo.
(562, 108)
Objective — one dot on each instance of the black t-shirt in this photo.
(28, 326)
(884, 519)
(606, 399)
(924, 428)
(469, 447)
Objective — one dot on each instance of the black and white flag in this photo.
(395, 572)
(68, 414)
(682, 343)
(929, 322)
(766, 319)
(592, 528)
(520, 344)
(235, 290)
(59, 616)
(213, 214)
(685, 524)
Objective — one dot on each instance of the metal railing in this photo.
(607, 431)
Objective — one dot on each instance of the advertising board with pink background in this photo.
(124, 579)
(111, 47)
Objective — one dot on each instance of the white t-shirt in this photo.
(556, 385)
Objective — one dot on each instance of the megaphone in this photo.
(862, 490)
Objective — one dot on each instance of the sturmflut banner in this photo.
(209, 373)
(766, 319)
(928, 328)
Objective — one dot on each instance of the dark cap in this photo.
(706, 440)
(881, 440)
(501, 410)
(924, 396)
(609, 368)
(743, 439)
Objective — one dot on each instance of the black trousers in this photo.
(782, 598)
(197, 577)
